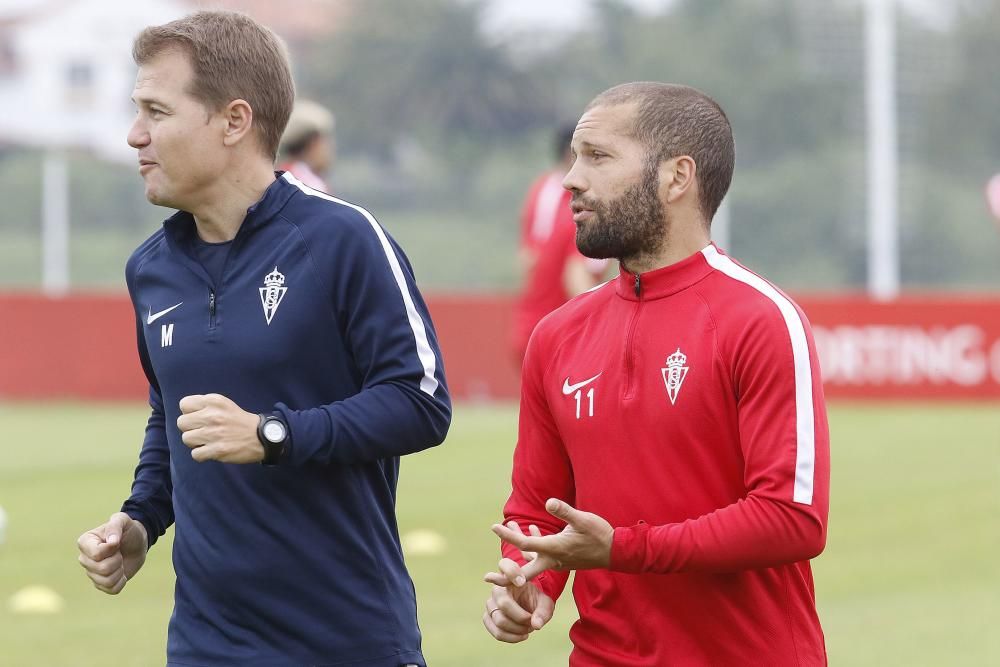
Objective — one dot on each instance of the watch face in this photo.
(274, 431)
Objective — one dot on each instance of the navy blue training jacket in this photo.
(317, 316)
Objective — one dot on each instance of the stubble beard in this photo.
(628, 228)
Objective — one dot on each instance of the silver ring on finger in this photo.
(493, 610)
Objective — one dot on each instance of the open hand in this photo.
(584, 543)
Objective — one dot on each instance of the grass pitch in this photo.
(910, 576)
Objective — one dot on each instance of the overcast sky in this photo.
(505, 16)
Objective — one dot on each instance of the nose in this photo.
(574, 181)
(138, 135)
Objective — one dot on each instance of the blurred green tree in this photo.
(421, 69)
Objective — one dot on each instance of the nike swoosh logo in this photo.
(152, 317)
(570, 388)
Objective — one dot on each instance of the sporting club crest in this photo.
(272, 293)
(674, 374)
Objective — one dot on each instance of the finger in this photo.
(190, 421)
(112, 586)
(510, 607)
(195, 438)
(541, 545)
(90, 544)
(527, 555)
(499, 634)
(535, 567)
(497, 579)
(512, 571)
(543, 612)
(564, 511)
(116, 526)
(106, 582)
(503, 622)
(216, 399)
(101, 568)
(192, 403)
(117, 588)
(534, 530)
(522, 541)
(103, 541)
(206, 453)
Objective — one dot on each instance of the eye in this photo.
(598, 155)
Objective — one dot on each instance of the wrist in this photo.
(140, 528)
(628, 548)
(272, 433)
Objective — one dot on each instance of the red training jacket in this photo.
(685, 407)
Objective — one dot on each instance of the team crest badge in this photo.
(674, 374)
(272, 293)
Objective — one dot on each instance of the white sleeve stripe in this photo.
(428, 383)
(805, 453)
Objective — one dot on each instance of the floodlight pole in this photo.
(883, 155)
(55, 223)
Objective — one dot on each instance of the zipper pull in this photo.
(211, 303)
(638, 285)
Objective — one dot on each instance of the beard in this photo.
(630, 226)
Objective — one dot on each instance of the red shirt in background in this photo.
(305, 175)
(548, 234)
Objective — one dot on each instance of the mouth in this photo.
(145, 165)
(581, 213)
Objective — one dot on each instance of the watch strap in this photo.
(273, 451)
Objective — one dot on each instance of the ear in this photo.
(238, 117)
(677, 178)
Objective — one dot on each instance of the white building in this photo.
(66, 71)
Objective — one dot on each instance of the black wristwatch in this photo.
(272, 431)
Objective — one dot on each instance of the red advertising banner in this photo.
(915, 347)
(919, 347)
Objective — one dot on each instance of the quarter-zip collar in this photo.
(179, 229)
(665, 281)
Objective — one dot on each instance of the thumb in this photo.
(543, 612)
(191, 403)
(561, 510)
(116, 527)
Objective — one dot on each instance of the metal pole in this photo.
(880, 99)
(55, 224)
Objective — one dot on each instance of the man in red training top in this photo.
(673, 447)
(553, 269)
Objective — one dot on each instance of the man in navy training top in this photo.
(279, 326)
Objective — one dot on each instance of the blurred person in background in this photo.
(278, 326)
(673, 446)
(308, 147)
(553, 270)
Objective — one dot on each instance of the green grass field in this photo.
(910, 576)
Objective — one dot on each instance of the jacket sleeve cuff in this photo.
(548, 584)
(629, 548)
(138, 515)
(305, 429)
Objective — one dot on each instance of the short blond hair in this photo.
(233, 57)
